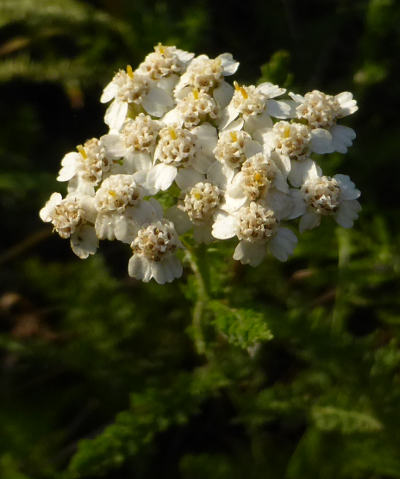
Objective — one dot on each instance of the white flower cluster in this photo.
(240, 158)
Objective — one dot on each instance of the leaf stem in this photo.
(201, 301)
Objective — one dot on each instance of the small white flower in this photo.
(289, 141)
(121, 209)
(196, 209)
(321, 111)
(154, 251)
(255, 106)
(258, 179)
(73, 217)
(257, 228)
(207, 74)
(86, 166)
(129, 88)
(165, 61)
(234, 147)
(134, 144)
(191, 110)
(325, 196)
(182, 155)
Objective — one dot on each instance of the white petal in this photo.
(270, 90)
(225, 226)
(137, 161)
(104, 226)
(180, 219)
(158, 209)
(229, 114)
(116, 114)
(168, 83)
(347, 213)
(139, 267)
(252, 147)
(166, 270)
(283, 244)
(228, 63)
(223, 94)
(282, 162)
(348, 190)
(188, 177)
(69, 166)
(109, 92)
(157, 102)
(309, 221)
(250, 253)
(84, 241)
(347, 103)
(280, 109)
(175, 266)
(184, 56)
(202, 162)
(47, 211)
(342, 138)
(206, 138)
(219, 174)
(297, 98)
(113, 145)
(321, 141)
(280, 203)
(125, 229)
(280, 182)
(160, 177)
(258, 125)
(234, 125)
(298, 204)
(144, 212)
(233, 203)
(173, 118)
(235, 188)
(300, 171)
(87, 202)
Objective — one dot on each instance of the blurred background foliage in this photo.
(287, 370)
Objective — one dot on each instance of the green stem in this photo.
(344, 251)
(200, 304)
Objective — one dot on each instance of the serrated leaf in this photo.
(329, 418)
(241, 327)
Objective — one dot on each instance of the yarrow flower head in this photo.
(229, 160)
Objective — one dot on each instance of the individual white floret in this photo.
(134, 144)
(325, 196)
(321, 112)
(234, 147)
(165, 61)
(87, 166)
(121, 208)
(289, 141)
(129, 88)
(258, 179)
(207, 75)
(73, 217)
(196, 209)
(254, 106)
(182, 155)
(154, 251)
(258, 230)
(191, 110)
